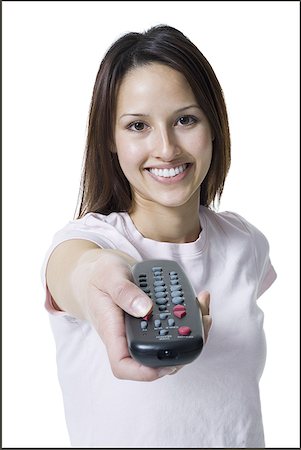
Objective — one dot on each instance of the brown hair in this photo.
(104, 188)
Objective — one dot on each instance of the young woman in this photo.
(157, 155)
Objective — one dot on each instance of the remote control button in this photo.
(160, 289)
(157, 274)
(160, 294)
(143, 325)
(146, 290)
(174, 282)
(177, 300)
(162, 308)
(176, 287)
(179, 314)
(158, 278)
(163, 332)
(184, 331)
(173, 273)
(163, 316)
(161, 301)
(179, 308)
(143, 284)
(171, 322)
(177, 294)
(157, 323)
(179, 311)
(155, 269)
(159, 283)
(174, 277)
(148, 316)
(142, 275)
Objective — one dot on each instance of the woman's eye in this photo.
(137, 126)
(187, 120)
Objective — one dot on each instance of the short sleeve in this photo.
(104, 231)
(75, 229)
(266, 273)
(265, 269)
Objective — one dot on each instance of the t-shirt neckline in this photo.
(189, 248)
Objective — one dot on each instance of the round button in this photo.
(143, 324)
(184, 331)
(163, 332)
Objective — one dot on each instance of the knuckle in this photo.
(117, 375)
(117, 372)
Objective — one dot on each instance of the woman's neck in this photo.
(166, 224)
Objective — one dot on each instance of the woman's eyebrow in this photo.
(134, 114)
(147, 115)
(187, 107)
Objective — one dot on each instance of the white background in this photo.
(51, 54)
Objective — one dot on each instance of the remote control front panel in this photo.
(173, 333)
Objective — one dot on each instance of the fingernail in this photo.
(141, 306)
(166, 371)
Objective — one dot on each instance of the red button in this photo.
(179, 308)
(179, 311)
(184, 331)
(148, 316)
(179, 314)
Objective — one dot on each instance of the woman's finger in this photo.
(204, 302)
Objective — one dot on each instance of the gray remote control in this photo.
(173, 333)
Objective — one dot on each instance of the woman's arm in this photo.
(76, 266)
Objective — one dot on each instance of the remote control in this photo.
(172, 334)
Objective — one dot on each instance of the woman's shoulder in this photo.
(232, 225)
(231, 229)
(230, 220)
(99, 228)
(93, 219)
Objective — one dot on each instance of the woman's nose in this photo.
(165, 145)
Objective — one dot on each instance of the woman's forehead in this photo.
(153, 84)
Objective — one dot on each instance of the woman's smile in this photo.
(169, 175)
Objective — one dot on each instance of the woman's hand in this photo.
(104, 284)
(110, 292)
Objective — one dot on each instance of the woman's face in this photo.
(163, 139)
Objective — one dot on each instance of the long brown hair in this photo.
(104, 188)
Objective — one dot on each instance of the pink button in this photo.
(180, 314)
(148, 316)
(179, 308)
(184, 331)
(179, 311)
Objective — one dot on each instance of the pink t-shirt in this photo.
(212, 402)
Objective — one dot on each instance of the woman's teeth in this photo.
(167, 173)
